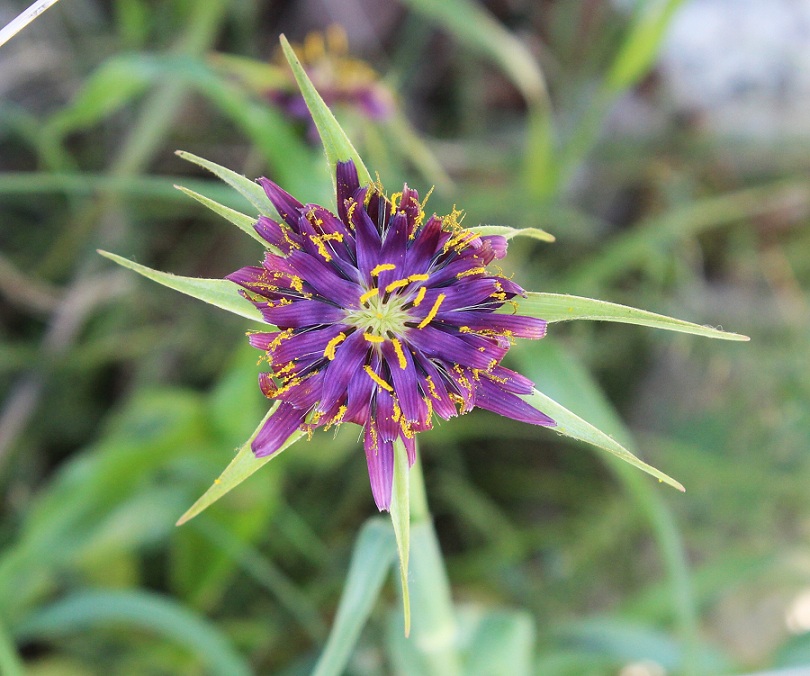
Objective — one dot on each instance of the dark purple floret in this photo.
(383, 317)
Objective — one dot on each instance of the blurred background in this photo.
(664, 143)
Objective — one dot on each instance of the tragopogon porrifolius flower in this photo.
(384, 317)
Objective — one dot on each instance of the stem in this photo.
(435, 629)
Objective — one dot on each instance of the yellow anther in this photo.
(418, 278)
(403, 363)
(395, 198)
(382, 267)
(329, 351)
(371, 338)
(377, 378)
(420, 296)
(471, 272)
(398, 284)
(433, 312)
(368, 295)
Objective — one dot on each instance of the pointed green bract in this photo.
(401, 521)
(509, 232)
(571, 425)
(558, 307)
(251, 191)
(240, 220)
(371, 560)
(336, 144)
(222, 293)
(239, 469)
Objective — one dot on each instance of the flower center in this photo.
(380, 315)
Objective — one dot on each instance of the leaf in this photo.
(240, 220)
(558, 307)
(146, 611)
(222, 293)
(497, 642)
(371, 560)
(571, 425)
(640, 47)
(509, 233)
(401, 521)
(480, 31)
(253, 192)
(336, 144)
(239, 469)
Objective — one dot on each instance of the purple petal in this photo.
(404, 380)
(279, 427)
(276, 234)
(347, 184)
(287, 206)
(301, 313)
(350, 356)
(325, 280)
(384, 417)
(455, 349)
(380, 459)
(492, 397)
(515, 325)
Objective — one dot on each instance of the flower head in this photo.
(385, 318)
(340, 79)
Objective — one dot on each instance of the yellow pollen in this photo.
(368, 295)
(329, 352)
(418, 278)
(377, 379)
(371, 338)
(471, 272)
(395, 198)
(403, 363)
(420, 296)
(382, 267)
(433, 312)
(398, 284)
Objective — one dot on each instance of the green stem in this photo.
(435, 630)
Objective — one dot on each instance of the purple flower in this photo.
(384, 318)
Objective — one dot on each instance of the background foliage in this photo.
(122, 401)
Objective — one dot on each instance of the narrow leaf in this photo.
(239, 469)
(219, 292)
(251, 191)
(336, 144)
(240, 220)
(571, 425)
(372, 557)
(509, 233)
(558, 307)
(401, 520)
(93, 610)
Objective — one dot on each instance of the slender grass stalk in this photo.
(26, 17)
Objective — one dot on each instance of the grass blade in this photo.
(371, 560)
(509, 232)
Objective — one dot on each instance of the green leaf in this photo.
(219, 292)
(640, 47)
(571, 425)
(509, 232)
(240, 220)
(253, 192)
(371, 560)
(336, 144)
(148, 612)
(497, 642)
(239, 469)
(401, 521)
(470, 22)
(558, 307)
